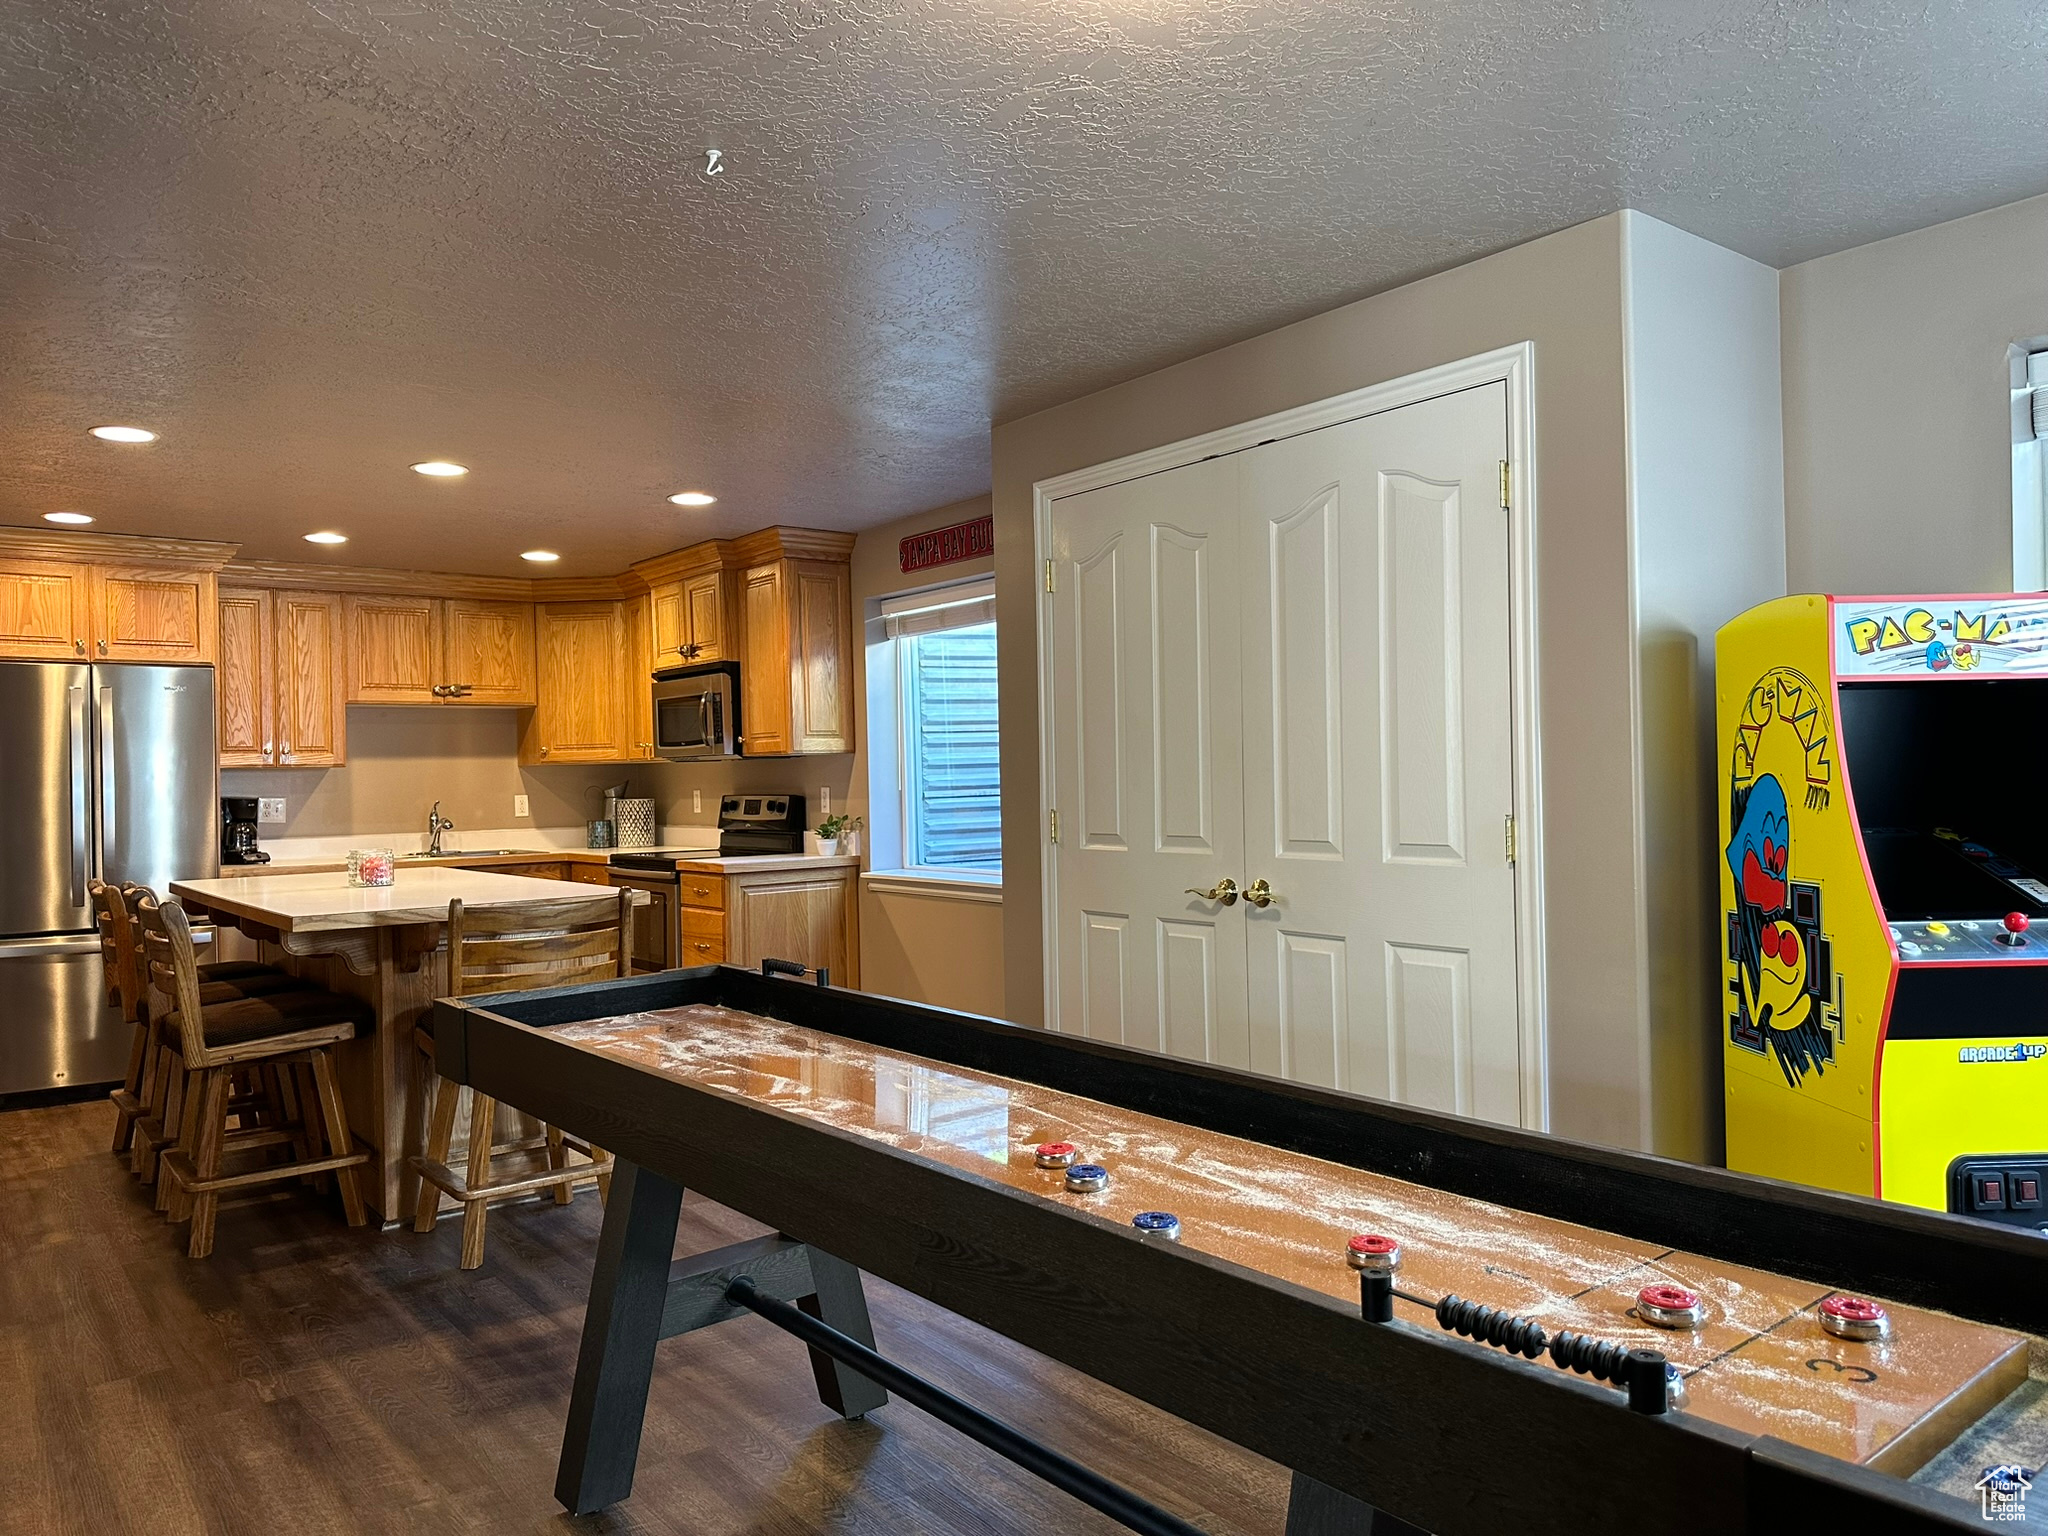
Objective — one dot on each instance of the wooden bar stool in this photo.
(149, 1101)
(514, 949)
(286, 1039)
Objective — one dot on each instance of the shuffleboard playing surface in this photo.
(1759, 1361)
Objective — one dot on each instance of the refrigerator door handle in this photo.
(107, 793)
(79, 766)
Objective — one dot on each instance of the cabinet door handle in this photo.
(544, 751)
(285, 750)
(701, 890)
(79, 644)
(103, 647)
(266, 749)
(703, 948)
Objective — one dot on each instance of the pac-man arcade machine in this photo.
(1884, 890)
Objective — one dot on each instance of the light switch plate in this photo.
(270, 810)
(519, 807)
(696, 801)
(824, 799)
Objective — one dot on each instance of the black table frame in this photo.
(1454, 1438)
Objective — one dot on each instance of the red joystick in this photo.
(2016, 925)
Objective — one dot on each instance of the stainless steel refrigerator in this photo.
(107, 771)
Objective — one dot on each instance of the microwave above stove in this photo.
(697, 711)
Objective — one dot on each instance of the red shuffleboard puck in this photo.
(1667, 1305)
(1370, 1251)
(1057, 1154)
(1854, 1317)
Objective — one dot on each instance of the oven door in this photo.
(693, 719)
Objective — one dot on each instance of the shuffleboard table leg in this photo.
(1317, 1509)
(615, 1365)
(838, 1301)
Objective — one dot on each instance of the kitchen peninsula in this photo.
(381, 944)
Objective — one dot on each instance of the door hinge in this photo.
(1053, 820)
(1048, 575)
(1506, 483)
(1510, 841)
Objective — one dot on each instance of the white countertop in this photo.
(323, 902)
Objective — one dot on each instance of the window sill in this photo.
(949, 887)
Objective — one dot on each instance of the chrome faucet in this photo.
(436, 825)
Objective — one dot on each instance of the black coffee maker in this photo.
(238, 831)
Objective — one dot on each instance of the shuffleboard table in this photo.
(1433, 1321)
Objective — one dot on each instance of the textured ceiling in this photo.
(311, 244)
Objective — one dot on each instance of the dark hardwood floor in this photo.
(309, 1379)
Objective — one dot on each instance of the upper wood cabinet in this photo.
(245, 680)
(637, 699)
(421, 650)
(489, 655)
(796, 677)
(149, 613)
(104, 610)
(311, 691)
(279, 688)
(689, 619)
(45, 609)
(581, 716)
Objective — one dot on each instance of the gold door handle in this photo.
(1224, 891)
(1259, 894)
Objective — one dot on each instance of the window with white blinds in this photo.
(951, 787)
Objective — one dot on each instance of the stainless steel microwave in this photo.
(697, 711)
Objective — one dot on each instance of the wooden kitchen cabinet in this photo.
(45, 609)
(797, 676)
(278, 687)
(489, 652)
(581, 714)
(637, 698)
(808, 914)
(153, 613)
(244, 683)
(689, 619)
(312, 720)
(106, 612)
(394, 650)
(430, 650)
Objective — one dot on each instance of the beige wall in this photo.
(402, 760)
(1563, 293)
(1706, 493)
(929, 948)
(1898, 465)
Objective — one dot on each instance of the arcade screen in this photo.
(1953, 824)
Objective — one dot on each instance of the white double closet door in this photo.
(1291, 664)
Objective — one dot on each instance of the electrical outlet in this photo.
(519, 807)
(696, 802)
(270, 810)
(825, 800)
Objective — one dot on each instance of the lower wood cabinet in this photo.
(278, 686)
(807, 914)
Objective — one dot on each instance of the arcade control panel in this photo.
(1975, 939)
(2010, 1190)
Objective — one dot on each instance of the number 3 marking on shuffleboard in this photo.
(1856, 1373)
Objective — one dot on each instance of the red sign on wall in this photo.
(970, 540)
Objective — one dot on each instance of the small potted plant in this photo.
(839, 834)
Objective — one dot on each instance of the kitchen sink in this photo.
(475, 853)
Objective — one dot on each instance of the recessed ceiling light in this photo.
(69, 519)
(124, 434)
(693, 498)
(440, 468)
(540, 556)
(326, 536)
